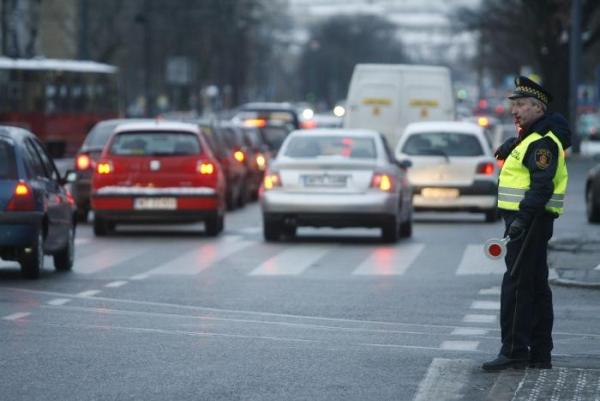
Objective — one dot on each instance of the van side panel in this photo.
(387, 97)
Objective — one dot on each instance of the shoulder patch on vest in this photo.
(543, 158)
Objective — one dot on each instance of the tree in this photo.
(517, 33)
(336, 45)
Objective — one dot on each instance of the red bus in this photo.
(58, 100)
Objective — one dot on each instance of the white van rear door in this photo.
(376, 107)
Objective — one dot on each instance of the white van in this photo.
(387, 97)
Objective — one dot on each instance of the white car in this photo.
(336, 178)
(453, 168)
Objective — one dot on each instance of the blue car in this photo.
(37, 214)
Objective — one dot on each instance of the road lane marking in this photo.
(59, 301)
(389, 260)
(460, 345)
(597, 267)
(490, 291)
(474, 318)
(106, 258)
(87, 294)
(82, 241)
(486, 305)
(468, 331)
(475, 262)
(291, 261)
(142, 276)
(200, 259)
(116, 284)
(16, 316)
(444, 380)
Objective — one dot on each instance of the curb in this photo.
(555, 279)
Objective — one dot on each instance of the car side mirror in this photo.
(404, 164)
(69, 177)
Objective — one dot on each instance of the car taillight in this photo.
(22, 199)
(83, 162)
(205, 168)
(499, 163)
(261, 162)
(271, 181)
(382, 182)
(104, 167)
(486, 168)
(239, 156)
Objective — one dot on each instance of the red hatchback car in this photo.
(155, 172)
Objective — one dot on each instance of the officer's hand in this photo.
(504, 150)
(516, 228)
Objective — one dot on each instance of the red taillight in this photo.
(22, 199)
(261, 161)
(486, 168)
(239, 156)
(83, 162)
(255, 122)
(271, 180)
(205, 168)
(382, 182)
(104, 167)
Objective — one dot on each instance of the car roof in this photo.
(157, 125)
(445, 126)
(10, 131)
(365, 133)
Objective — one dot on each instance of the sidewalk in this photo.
(575, 261)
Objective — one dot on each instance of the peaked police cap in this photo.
(525, 87)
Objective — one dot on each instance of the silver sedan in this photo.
(336, 178)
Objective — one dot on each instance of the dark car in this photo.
(258, 155)
(157, 172)
(592, 195)
(270, 112)
(85, 162)
(233, 170)
(37, 214)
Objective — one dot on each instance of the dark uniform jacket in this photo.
(542, 174)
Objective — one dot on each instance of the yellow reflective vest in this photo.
(515, 179)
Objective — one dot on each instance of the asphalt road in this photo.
(166, 313)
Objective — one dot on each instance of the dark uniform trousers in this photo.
(526, 314)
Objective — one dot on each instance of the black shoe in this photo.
(502, 362)
(540, 364)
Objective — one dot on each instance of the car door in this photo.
(56, 200)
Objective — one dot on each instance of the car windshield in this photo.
(442, 143)
(98, 136)
(331, 146)
(156, 143)
(8, 166)
(274, 136)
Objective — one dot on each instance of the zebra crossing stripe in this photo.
(291, 261)
(444, 380)
(475, 262)
(106, 258)
(390, 260)
(199, 259)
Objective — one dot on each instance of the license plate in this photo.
(440, 193)
(325, 180)
(155, 203)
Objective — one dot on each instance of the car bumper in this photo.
(368, 203)
(480, 196)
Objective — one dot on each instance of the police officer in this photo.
(531, 192)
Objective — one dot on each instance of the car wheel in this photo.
(33, 262)
(271, 230)
(229, 200)
(243, 197)
(214, 225)
(592, 210)
(389, 230)
(406, 229)
(491, 215)
(64, 259)
(102, 227)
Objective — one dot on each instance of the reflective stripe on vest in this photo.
(515, 180)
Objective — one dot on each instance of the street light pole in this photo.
(574, 70)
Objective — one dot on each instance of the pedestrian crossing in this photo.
(256, 258)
